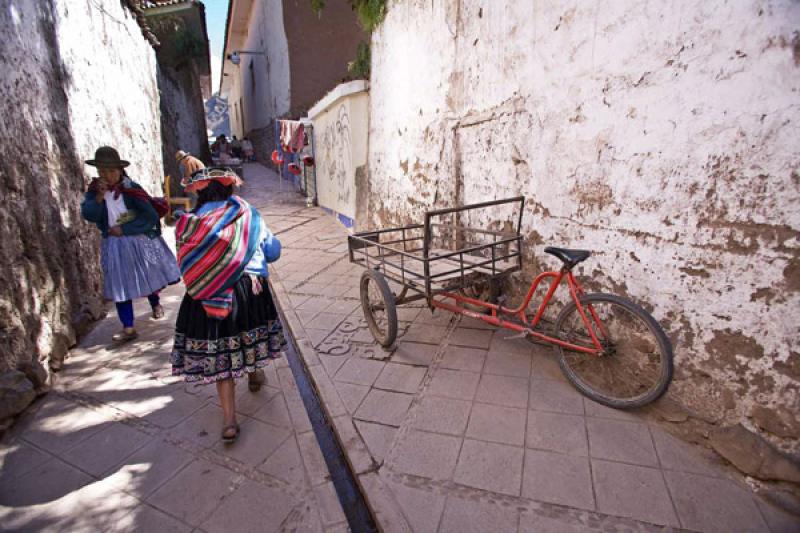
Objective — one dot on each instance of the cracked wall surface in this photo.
(76, 75)
(661, 136)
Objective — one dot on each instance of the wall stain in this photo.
(695, 272)
(726, 345)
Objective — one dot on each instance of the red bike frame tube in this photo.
(496, 310)
(576, 290)
(580, 292)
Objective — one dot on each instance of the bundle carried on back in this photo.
(213, 251)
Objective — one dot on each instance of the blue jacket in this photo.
(145, 223)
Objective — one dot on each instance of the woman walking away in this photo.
(227, 324)
(135, 259)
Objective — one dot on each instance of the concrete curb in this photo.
(385, 510)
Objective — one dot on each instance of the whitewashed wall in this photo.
(263, 91)
(340, 145)
(75, 75)
(660, 135)
(111, 87)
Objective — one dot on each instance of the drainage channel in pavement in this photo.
(352, 500)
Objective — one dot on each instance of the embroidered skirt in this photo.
(210, 350)
(135, 266)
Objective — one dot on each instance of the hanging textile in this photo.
(292, 135)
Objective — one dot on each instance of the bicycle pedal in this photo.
(520, 335)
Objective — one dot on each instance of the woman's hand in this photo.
(115, 231)
(101, 187)
(256, 284)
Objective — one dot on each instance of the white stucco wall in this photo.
(660, 135)
(75, 75)
(268, 97)
(340, 132)
(111, 87)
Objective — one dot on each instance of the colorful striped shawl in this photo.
(213, 251)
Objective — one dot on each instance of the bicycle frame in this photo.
(525, 326)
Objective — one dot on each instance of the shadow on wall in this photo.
(183, 120)
(50, 288)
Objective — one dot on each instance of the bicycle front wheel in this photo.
(635, 367)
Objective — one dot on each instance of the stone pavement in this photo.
(457, 429)
(460, 429)
(120, 445)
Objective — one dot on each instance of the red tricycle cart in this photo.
(609, 348)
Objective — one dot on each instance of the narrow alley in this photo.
(276, 266)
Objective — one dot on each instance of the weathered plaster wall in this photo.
(662, 136)
(183, 124)
(340, 149)
(74, 78)
(112, 90)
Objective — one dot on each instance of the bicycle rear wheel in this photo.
(636, 365)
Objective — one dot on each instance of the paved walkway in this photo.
(458, 429)
(120, 445)
(461, 429)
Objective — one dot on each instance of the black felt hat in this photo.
(105, 156)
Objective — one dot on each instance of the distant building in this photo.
(184, 77)
(288, 58)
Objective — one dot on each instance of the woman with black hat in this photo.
(135, 259)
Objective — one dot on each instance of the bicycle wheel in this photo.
(636, 366)
(378, 304)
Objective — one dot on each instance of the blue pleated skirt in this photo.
(135, 266)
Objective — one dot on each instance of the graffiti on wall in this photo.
(337, 164)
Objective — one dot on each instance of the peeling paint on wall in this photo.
(672, 155)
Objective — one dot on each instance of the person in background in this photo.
(227, 326)
(221, 146)
(188, 165)
(247, 150)
(236, 148)
(135, 259)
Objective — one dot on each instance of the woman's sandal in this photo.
(158, 312)
(124, 336)
(227, 437)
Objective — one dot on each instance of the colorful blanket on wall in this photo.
(213, 251)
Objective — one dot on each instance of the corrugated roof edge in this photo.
(136, 8)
